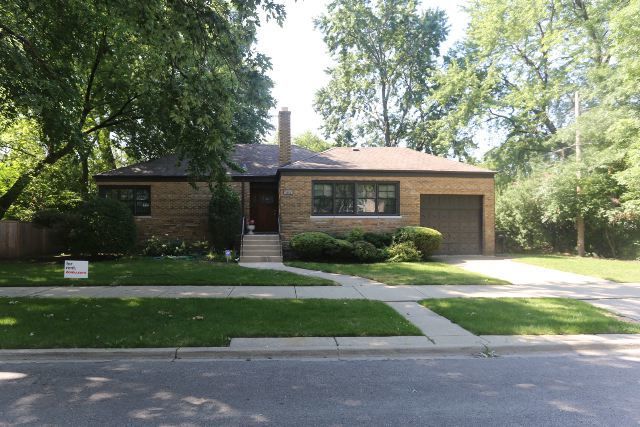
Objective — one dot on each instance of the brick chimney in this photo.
(284, 135)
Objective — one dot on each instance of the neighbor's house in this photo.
(287, 189)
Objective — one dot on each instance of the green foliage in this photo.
(312, 142)
(355, 235)
(339, 249)
(379, 90)
(312, 245)
(101, 226)
(225, 216)
(404, 252)
(156, 246)
(155, 77)
(379, 240)
(538, 212)
(366, 252)
(315, 246)
(426, 240)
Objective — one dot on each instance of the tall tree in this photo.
(379, 92)
(160, 76)
(530, 57)
(311, 141)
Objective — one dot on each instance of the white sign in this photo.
(76, 269)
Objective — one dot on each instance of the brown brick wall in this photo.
(177, 209)
(295, 204)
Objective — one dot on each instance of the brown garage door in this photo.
(458, 218)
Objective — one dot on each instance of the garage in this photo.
(458, 218)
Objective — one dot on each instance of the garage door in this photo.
(458, 218)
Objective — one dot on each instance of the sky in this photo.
(299, 57)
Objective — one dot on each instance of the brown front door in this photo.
(264, 206)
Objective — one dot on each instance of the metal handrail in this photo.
(280, 234)
(242, 236)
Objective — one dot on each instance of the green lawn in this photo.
(156, 322)
(529, 316)
(405, 273)
(610, 269)
(149, 271)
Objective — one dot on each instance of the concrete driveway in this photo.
(620, 298)
(520, 273)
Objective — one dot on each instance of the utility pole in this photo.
(580, 218)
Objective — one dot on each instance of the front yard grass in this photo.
(405, 273)
(149, 271)
(610, 269)
(157, 322)
(529, 316)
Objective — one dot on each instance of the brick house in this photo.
(287, 189)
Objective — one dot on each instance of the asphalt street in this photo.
(534, 390)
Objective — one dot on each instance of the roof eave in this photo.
(336, 171)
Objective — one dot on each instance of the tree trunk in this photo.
(84, 161)
(385, 115)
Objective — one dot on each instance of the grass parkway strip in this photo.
(150, 271)
(529, 316)
(609, 269)
(404, 273)
(155, 322)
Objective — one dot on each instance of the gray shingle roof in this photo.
(396, 159)
(261, 160)
(255, 159)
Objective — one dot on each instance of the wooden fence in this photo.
(25, 239)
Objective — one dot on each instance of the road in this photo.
(540, 390)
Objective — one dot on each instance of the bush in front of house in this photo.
(225, 216)
(379, 240)
(312, 245)
(403, 252)
(157, 246)
(426, 240)
(99, 226)
(366, 252)
(355, 235)
(339, 249)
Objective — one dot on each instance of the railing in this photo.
(242, 237)
(280, 234)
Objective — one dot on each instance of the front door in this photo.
(264, 207)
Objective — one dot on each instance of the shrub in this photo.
(100, 226)
(355, 235)
(166, 246)
(379, 240)
(403, 252)
(426, 240)
(225, 216)
(366, 252)
(340, 250)
(312, 245)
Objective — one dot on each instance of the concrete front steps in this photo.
(261, 248)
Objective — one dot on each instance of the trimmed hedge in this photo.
(379, 240)
(366, 252)
(312, 245)
(404, 252)
(426, 240)
(408, 244)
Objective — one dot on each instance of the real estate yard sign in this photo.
(76, 269)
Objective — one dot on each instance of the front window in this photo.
(138, 199)
(355, 198)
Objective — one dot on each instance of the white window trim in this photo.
(356, 217)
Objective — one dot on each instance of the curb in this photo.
(208, 353)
